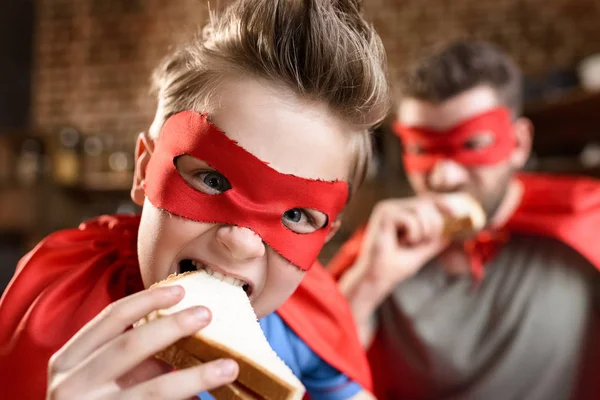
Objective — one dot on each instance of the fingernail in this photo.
(226, 368)
(198, 314)
(175, 291)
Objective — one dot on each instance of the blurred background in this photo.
(74, 95)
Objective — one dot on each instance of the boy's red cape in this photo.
(73, 274)
(560, 207)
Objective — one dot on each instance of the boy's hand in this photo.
(104, 360)
(402, 235)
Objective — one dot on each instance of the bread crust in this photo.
(181, 359)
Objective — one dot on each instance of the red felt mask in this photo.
(259, 195)
(454, 143)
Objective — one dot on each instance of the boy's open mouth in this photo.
(193, 265)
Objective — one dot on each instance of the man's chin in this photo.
(492, 205)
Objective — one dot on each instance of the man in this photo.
(509, 314)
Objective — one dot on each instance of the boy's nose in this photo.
(447, 175)
(241, 243)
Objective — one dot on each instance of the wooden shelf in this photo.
(106, 182)
(565, 125)
(17, 209)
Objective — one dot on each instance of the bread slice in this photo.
(234, 332)
(465, 216)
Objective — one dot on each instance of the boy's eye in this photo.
(209, 182)
(294, 215)
(200, 176)
(214, 180)
(304, 220)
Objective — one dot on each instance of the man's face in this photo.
(486, 181)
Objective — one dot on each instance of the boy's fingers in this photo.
(148, 369)
(185, 383)
(111, 322)
(128, 350)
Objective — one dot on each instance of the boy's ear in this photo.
(335, 226)
(144, 148)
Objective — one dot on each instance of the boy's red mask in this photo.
(259, 195)
(452, 144)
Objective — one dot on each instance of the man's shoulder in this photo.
(546, 250)
(557, 193)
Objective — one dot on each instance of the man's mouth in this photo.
(193, 265)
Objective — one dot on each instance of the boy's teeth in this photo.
(233, 281)
(198, 265)
(218, 275)
(227, 279)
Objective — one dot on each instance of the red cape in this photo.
(73, 274)
(561, 207)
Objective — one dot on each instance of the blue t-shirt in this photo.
(322, 381)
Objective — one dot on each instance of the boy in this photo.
(259, 134)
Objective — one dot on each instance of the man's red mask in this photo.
(259, 195)
(454, 143)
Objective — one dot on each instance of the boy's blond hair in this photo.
(322, 50)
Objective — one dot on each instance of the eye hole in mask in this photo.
(479, 141)
(201, 177)
(412, 148)
(304, 220)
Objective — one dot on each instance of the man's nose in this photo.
(446, 176)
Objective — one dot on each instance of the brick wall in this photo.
(540, 34)
(94, 57)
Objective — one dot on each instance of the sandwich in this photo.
(463, 216)
(233, 332)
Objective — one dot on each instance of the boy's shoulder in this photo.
(105, 228)
(118, 222)
(64, 282)
(97, 257)
(322, 381)
(320, 316)
(287, 344)
(91, 238)
(99, 232)
(97, 238)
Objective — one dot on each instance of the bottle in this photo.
(93, 148)
(30, 161)
(66, 158)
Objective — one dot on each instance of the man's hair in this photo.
(322, 50)
(460, 66)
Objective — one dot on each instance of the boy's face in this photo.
(292, 137)
(472, 145)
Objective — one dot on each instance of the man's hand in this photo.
(402, 235)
